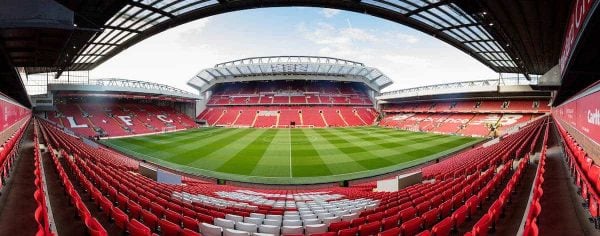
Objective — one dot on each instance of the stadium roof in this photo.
(479, 28)
(123, 86)
(314, 67)
(507, 36)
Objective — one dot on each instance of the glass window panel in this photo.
(444, 16)
(426, 21)
(244, 69)
(459, 14)
(478, 30)
(470, 33)
(205, 75)
(195, 6)
(461, 35)
(265, 68)
(434, 18)
(388, 6)
(125, 38)
(223, 71)
(323, 69)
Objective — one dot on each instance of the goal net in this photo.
(292, 126)
(169, 129)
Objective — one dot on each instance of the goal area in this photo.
(292, 126)
(169, 129)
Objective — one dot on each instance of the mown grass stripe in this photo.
(203, 151)
(245, 161)
(359, 154)
(306, 161)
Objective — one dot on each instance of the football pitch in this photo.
(290, 156)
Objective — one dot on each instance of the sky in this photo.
(410, 58)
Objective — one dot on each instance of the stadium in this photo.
(290, 144)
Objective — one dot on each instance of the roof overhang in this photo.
(467, 89)
(290, 68)
(466, 25)
(125, 87)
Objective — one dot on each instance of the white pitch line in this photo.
(290, 135)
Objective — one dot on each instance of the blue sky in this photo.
(409, 57)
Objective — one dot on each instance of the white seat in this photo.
(248, 227)
(329, 220)
(341, 212)
(256, 221)
(233, 232)
(292, 223)
(324, 215)
(210, 230)
(292, 230)
(291, 217)
(229, 224)
(272, 222)
(311, 216)
(291, 213)
(315, 229)
(257, 215)
(274, 217)
(269, 229)
(263, 234)
(312, 221)
(350, 217)
(235, 218)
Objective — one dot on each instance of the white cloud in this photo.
(406, 60)
(329, 13)
(407, 38)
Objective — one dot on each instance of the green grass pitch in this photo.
(290, 156)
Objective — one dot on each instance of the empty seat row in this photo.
(585, 172)
(41, 211)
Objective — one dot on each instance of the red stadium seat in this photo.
(136, 228)
(482, 226)
(173, 216)
(407, 214)
(445, 208)
(348, 232)
(395, 231)
(168, 228)
(431, 217)
(337, 226)
(121, 219)
(390, 222)
(411, 227)
(149, 219)
(191, 223)
(372, 228)
(357, 222)
(135, 210)
(459, 216)
(443, 228)
(95, 228)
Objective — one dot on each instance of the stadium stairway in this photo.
(560, 195)
(17, 205)
(64, 212)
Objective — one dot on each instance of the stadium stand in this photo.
(282, 103)
(139, 204)
(469, 118)
(114, 118)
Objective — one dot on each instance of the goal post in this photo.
(169, 129)
(292, 126)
